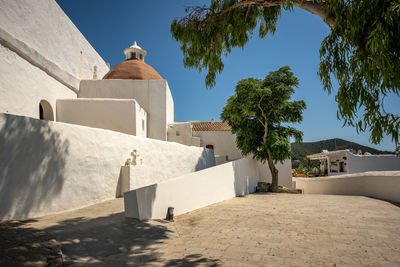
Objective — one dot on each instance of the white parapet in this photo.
(193, 191)
(381, 184)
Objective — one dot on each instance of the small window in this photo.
(143, 125)
(141, 56)
(210, 146)
(178, 133)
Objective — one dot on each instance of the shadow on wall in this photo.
(140, 202)
(32, 162)
(246, 176)
(206, 160)
(116, 240)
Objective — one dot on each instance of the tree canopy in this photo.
(361, 52)
(257, 113)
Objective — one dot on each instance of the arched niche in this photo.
(46, 111)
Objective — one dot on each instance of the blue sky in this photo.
(112, 26)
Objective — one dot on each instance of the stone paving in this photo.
(256, 230)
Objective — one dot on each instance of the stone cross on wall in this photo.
(135, 159)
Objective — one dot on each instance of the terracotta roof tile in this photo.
(133, 69)
(210, 126)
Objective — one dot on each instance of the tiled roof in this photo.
(210, 126)
(133, 69)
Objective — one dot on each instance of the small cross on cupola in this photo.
(135, 52)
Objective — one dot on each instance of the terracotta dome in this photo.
(133, 69)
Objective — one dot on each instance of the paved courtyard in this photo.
(257, 230)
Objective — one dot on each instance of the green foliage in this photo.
(257, 110)
(300, 169)
(309, 164)
(361, 52)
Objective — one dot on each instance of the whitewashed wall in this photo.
(23, 86)
(284, 173)
(152, 95)
(364, 163)
(121, 115)
(42, 56)
(192, 191)
(44, 27)
(48, 167)
(382, 184)
(181, 132)
(224, 143)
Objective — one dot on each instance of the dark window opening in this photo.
(41, 112)
(210, 146)
(46, 111)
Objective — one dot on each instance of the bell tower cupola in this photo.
(135, 52)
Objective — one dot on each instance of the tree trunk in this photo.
(274, 173)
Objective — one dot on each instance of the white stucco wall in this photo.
(364, 163)
(42, 56)
(48, 167)
(192, 191)
(383, 185)
(170, 106)
(23, 86)
(284, 173)
(121, 115)
(43, 26)
(141, 121)
(181, 132)
(152, 95)
(224, 143)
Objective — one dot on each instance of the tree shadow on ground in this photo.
(193, 260)
(117, 240)
(32, 163)
(21, 245)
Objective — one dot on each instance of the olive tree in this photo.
(258, 113)
(362, 51)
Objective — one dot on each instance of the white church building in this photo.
(74, 132)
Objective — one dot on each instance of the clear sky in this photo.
(112, 26)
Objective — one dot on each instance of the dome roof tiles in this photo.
(133, 69)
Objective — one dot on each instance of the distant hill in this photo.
(300, 150)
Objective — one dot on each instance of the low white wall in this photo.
(224, 143)
(48, 167)
(284, 173)
(383, 185)
(113, 114)
(192, 191)
(364, 163)
(152, 95)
